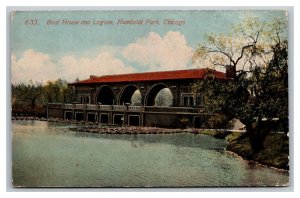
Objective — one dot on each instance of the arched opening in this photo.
(159, 95)
(136, 98)
(164, 98)
(106, 96)
(130, 95)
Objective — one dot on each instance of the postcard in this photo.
(149, 98)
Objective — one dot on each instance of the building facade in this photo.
(108, 99)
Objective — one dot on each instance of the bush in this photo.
(218, 121)
(184, 122)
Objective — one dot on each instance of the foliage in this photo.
(28, 94)
(32, 97)
(275, 152)
(164, 98)
(184, 122)
(136, 98)
(58, 91)
(249, 44)
(257, 92)
(218, 121)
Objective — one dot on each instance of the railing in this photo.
(92, 106)
(135, 108)
(105, 107)
(69, 106)
(80, 106)
(119, 108)
(128, 108)
(175, 109)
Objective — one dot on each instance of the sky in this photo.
(47, 45)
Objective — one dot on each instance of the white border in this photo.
(6, 73)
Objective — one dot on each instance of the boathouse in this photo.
(108, 99)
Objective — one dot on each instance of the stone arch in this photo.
(126, 94)
(152, 93)
(105, 96)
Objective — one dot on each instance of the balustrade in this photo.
(119, 107)
(69, 106)
(80, 106)
(105, 107)
(135, 108)
(126, 108)
(92, 106)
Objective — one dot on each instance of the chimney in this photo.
(230, 72)
(93, 76)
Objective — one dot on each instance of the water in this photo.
(49, 155)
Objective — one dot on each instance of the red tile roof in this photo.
(152, 76)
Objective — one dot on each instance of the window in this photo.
(191, 103)
(199, 100)
(187, 99)
(83, 98)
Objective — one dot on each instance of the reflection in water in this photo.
(181, 139)
(48, 154)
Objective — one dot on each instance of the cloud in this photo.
(32, 65)
(153, 52)
(169, 52)
(104, 63)
(38, 66)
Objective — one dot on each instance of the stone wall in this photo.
(168, 120)
(157, 118)
(55, 113)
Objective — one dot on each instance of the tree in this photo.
(58, 91)
(52, 92)
(164, 98)
(27, 94)
(255, 56)
(31, 98)
(32, 92)
(68, 94)
(136, 98)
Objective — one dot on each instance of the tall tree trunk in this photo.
(33, 104)
(257, 133)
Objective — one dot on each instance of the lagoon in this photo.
(48, 154)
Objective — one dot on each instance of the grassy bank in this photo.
(220, 134)
(275, 152)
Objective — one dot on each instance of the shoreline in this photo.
(239, 157)
(104, 129)
(90, 127)
(276, 157)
